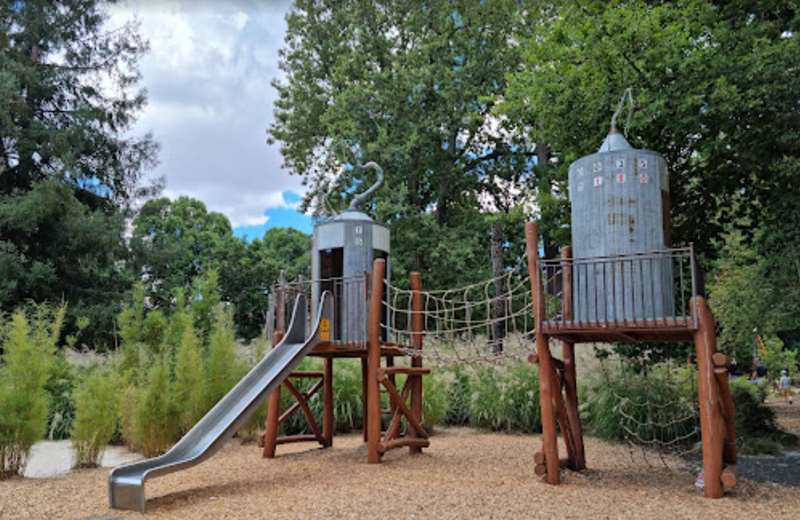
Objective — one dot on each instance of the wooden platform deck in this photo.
(681, 328)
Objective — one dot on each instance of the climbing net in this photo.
(488, 321)
(657, 417)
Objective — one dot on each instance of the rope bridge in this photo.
(490, 321)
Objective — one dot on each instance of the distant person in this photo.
(759, 370)
(785, 385)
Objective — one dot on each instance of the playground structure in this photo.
(625, 285)
(690, 320)
(404, 404)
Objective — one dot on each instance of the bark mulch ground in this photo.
(465, 474)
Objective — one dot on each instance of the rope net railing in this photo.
(487, 321)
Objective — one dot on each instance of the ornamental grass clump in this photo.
(458, 399)
(189, 380)
(155, 422)
(505, 398)
(28, 350)
(96, 412)
(518, 409)
(250, 430)
(348, 411)
(485, 399)
(222, 367)
(434, 400)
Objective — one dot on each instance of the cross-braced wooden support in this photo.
(324, 435)
(717, 412)
(416, 437)
(321, 434)
(559, 409)
(557, 381)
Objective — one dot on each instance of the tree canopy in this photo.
(412, 88)
(68, 167)
(176, 242)
(713, 88)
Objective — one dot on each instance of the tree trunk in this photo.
(499, 307)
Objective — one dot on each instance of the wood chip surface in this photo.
(465, 474)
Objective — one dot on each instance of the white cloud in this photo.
(208, 78)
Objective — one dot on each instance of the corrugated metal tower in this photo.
(342, 251)
(620, 206)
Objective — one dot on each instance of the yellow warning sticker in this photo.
(325, 330)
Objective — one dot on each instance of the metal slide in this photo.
(126, 483)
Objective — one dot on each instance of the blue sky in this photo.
(278, 217)
(207, 77)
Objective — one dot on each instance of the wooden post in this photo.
(364, 397)
(417, 326)
(568, 356)
(728, 408)
(564, 422)
(327, 407)
(546, 374)
(374, 363)
(272, 424)
(269, 326)
(280, 305)
(393, 379)
(710, 417)
(364, 371)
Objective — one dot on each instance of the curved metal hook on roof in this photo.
(362, 198)
(627, 94)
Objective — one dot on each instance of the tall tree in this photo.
(173, 242)
(68, 96)
(54, 248)
(180, 245)
(412, 87)
(251, 268)
(715, 89)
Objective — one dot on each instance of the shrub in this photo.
(128, 406)
(222, 367)
(189, 380)
(519, 407)
(205, 300)
(348, 411)
(155, 423)
(96, 412)
(28, 349)
(458, 399)
(776, 358)
(434, 400)
(250, 431)
(485, 399)
(133, 361)
(505, 398)
(654, 408)
(756, 429)
(60, 386)
(177, 325)
(154, 330)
